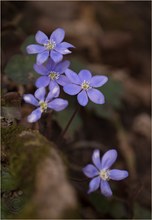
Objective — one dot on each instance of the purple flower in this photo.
(43, 103)
(53, 46)
(101, 173)
(52, 74)
(84, 85)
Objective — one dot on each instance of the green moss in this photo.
(26, 150)
(29, 212)
(26, 154)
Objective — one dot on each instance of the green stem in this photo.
(69, 122)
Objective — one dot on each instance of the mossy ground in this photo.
(25, 150)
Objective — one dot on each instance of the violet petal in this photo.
(105, 188)
(82, 98)
(94, 184)
(57, 35)
(34, 116)
(58, 104)
(40, 93)
(34, 48)
(90, 171)
(29, 98)
(108, 159)
(116, 174)
(96, 96)
(42, 57)
(98, 81)
(41, 38)
(72, 89)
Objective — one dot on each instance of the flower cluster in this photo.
(55, 73)
(51, 67)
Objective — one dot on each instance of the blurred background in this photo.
(112, 38)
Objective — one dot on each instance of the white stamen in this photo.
(50, 45)
(85, 85)
(54, 75)
(104, 174)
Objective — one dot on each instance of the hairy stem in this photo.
(78, 180)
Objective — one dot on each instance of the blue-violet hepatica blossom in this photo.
(101, 173)
(43, 103)
(52, 74)
(53, 46)
(84, 84)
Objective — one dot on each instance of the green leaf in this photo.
(100, 203)
(141, 212)
(20, 69)
(118, 210)
(64, 116)
(8, 182)
(77, 65)
(112, 91)
(29, 40)
(108, 206)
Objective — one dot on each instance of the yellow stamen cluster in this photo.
(43, 106)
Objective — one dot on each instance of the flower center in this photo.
(50, 45)
(104, 174)
(43, 106)
(53, 75)
(85, 85)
